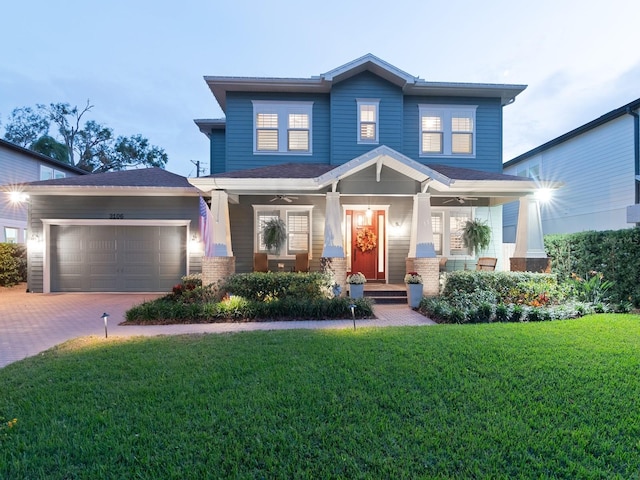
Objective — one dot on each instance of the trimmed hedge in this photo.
(13, 264)
(262, 287)
(504, 287)
(237, 309)
(613, 253)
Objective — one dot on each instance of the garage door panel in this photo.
(117, 258)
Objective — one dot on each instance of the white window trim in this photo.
(446, 233)
(283, 109)
(446, 112)
(54, 173)
(282, 211)
(376, 103)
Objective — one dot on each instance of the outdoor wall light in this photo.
(34, 244)
(105, 316)
(543, 195)
(194, 243)
(18, 197)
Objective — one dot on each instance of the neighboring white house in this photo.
(599, 164)
(21, 165)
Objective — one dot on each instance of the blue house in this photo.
(370, 168)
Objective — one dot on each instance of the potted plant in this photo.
(356, 283)
(476, 235)
(414, 288)
(274, 234)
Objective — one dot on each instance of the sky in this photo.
(141, 63)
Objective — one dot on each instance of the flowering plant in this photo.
(356, 278)
(412, 277)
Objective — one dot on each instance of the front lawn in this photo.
(533, 400)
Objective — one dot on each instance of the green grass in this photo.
(544, 400)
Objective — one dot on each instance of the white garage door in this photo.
(111, 258)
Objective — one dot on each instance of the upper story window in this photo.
(368, 121)
(447, 130)
(48, 173)
(282, 127)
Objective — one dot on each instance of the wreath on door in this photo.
(366, 240)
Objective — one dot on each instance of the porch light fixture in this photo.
(105, 316)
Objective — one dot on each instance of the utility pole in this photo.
(198, 169)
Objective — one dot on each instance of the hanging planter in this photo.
(274, 234)
(476, 235)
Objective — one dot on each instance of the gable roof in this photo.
(607, 117)
(438, 179)
(144, 181)
(42, 158)
(220, 85)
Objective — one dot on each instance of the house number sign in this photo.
(116, 216)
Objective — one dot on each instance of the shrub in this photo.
(261, 287)
(234, 308)
(13, 264)
(613, 253)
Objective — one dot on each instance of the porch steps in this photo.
(387, 296)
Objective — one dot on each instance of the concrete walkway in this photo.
(33, 322)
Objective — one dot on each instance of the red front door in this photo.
(367, 242)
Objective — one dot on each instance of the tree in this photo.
(50, 147)
(25, 126)
(92, 146)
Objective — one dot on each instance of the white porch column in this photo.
(333, 242)
(221, 225)
(421, 242)
(422, 253)
(529, 239)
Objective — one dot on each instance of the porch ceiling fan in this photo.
(460, 200)
(286, 198)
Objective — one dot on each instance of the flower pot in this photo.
(356, 290)
(414, 294)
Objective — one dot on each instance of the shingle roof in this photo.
(284, 170)
(311, 170)
(457, 173)
(144, 177)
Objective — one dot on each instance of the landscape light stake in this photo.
(353, 314)
(104, 317)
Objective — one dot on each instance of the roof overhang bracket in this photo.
(334, 187)
(424, 185)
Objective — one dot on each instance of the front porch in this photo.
(381, 214)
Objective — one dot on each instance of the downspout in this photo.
(636, 149)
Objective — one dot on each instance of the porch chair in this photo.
(302, 262)
(443, 264)
(486, 263)
(260, 262)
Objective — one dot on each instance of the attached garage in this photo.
(127, 231)
(114, 258)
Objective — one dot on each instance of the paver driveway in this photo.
(33, 322)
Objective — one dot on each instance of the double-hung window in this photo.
(368, 121)
(447, 130)
(297, 219)
(282, 127)
(448, 226)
